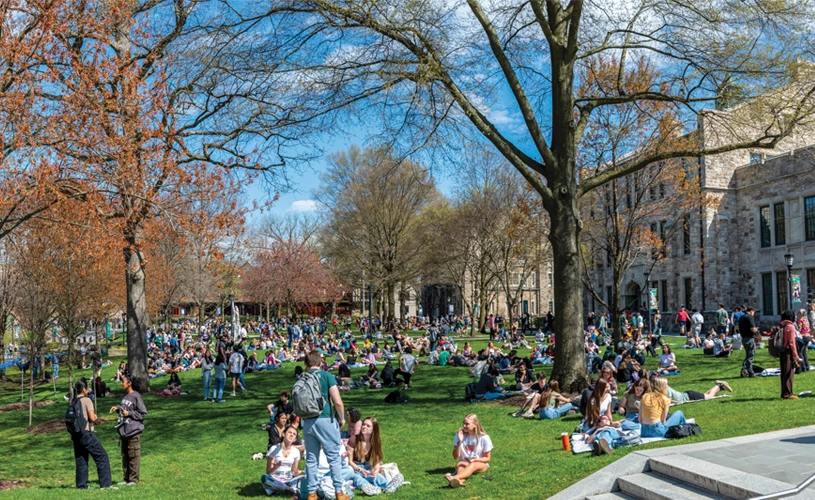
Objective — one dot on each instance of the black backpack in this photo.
(396, 397)
(470, 392)
(74, 418)
(682, 430)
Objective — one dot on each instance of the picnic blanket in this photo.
(776, 372)
(580, 445)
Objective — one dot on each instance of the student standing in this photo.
(789, 356)
(748, 330)
(85, 441)
(131, 425)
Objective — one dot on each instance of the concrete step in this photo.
(653, 486)
(618, 495)
(723, 481)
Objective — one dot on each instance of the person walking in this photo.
(220, 379)
(323, 431)
(236, 369)
(85, 441)
(789, 356)
(748, 330)
(130, 425)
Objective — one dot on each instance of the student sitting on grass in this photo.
(654, 410)
(667, 360)
(597, 405)
(630, 403)
(488, 387)
(720, 347)
(472, 447)
(551, 404)
(282, 465)
(534, 392)
(366, 460)
(605, 437)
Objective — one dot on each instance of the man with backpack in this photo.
(130, 426)
(312, 398)
(79, 420)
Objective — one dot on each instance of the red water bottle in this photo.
(564, 438)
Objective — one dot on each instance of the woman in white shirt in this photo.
(667, 361)
(472, 447)
(282, 465)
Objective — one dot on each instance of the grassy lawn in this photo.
(192, 447)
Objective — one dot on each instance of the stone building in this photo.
(759, 206)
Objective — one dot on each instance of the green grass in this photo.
(192, 447)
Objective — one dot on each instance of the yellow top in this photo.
(652, 406)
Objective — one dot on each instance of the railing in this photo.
(788, 493)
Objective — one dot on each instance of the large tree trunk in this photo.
(136, 306)
(570, 363)
(402, 301)
(390, 312)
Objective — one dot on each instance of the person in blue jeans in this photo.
(220, 379)
(605, 437)
(654, 407)
(488, 387)
(549, 401)
(323, 431)
(207, 364)
(365, 458)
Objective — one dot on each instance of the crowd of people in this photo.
(353, 458)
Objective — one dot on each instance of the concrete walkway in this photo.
(737, 468)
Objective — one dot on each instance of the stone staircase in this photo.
(674, 474)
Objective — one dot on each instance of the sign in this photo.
(653, 302)
(796, 291)
(107, 330)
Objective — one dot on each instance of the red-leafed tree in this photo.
(289, 275)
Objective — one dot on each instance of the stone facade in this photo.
(728, 260)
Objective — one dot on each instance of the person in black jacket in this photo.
(130, 425)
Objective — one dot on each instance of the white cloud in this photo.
(303, 206)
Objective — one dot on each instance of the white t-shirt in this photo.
(236, 363)
(474, 447)
(666, 360)
(284, 467)
(604, 404)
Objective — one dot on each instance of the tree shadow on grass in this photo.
(252, 490)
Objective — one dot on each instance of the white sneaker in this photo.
(234, 394)
(395, 483)
(370, 490)
(518, 413)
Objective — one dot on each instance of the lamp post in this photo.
(232, 315)
(648, 298)
(789, 258)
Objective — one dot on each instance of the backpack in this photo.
(307, 396)
(396, 397)
(469, 392)
(682, 430)
(74, 418)
(776, 344)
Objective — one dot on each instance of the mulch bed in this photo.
(9, 485)
(24, 405)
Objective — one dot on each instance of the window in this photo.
(551, 280)
(755, 158)
(810, 284)
(663, 295)
(781, 286)
(767, 294)
(809, 217)
(780, 226)
(686, 235)
(764, 225)
(608, 297)
(661, 190)
(628, 193)
(688, 292)
(652, 194)
(551, 307)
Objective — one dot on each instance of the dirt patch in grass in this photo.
(56, 425)
(10, 485)
(24, 405)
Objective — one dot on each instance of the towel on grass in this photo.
(580, 444)
(700, 400)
